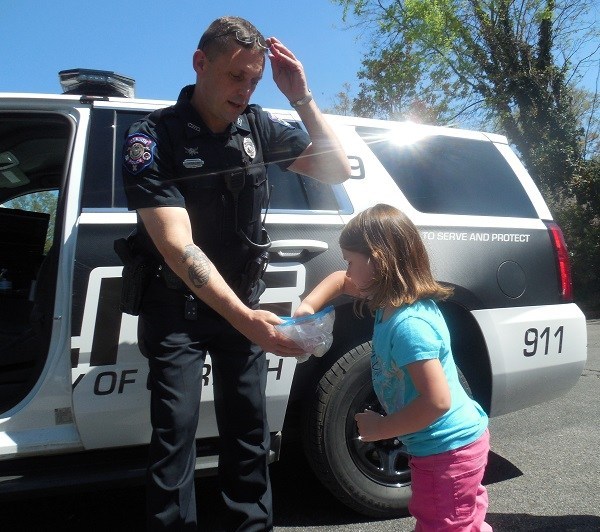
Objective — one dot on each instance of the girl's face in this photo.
(360, 271)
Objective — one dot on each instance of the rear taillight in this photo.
(563, 264)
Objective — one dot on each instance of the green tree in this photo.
(342, 104)
(578, 215)
(512, 62)
(587, 111)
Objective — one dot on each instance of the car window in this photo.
(40, 209)
(34, 149)
(103, 184)
(451, 175)
(295, 192)
(290, 191)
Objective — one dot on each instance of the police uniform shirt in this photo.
(171, 158)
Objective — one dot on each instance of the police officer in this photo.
(195, 174)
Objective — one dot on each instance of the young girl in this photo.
(413, 370)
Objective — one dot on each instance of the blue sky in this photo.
(153, 41)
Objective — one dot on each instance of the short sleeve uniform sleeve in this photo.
(282, 143)
(148, 168)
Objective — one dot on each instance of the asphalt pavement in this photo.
(543, 475)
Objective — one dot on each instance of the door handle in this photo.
(295, 248)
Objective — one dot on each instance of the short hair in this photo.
(402, 270)
(224, 31)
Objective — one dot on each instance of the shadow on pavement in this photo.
(543, 523)
(299, 501)
(499, 469)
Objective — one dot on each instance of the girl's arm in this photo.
(334, 285)
(433, 402)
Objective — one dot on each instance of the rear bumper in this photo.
(536, 353)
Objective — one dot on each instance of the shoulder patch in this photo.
(278, 120)
(138, 152)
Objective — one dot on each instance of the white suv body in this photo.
(73, 382)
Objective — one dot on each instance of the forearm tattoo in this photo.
(199, 270)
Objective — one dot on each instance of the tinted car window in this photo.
(291, 191)
(448, 175)
(37, 202)
(103, 184)
(33, 152)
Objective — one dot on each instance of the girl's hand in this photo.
(304, 310)
(370, 425)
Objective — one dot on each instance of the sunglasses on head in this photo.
(248, 40)
(258, 39)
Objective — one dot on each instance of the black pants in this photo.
(176, 349)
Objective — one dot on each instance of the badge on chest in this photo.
(249, 147)
(193, 161)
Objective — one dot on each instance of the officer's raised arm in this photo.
(324, 159)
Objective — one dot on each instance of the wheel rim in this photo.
(385, 461)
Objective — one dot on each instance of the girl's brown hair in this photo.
(402, 271)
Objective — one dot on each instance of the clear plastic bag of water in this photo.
(313, 333)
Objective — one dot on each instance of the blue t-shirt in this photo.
(419, 332)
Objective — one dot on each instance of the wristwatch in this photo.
(302, 101)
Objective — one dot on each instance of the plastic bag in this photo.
(313, 333)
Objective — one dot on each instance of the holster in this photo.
(138, 270)
(253, 272)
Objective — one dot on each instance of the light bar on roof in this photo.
(92, 82)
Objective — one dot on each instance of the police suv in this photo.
(73, 397)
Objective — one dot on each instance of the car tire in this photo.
(371, 478)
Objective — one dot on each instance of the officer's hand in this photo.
(288, 72)
(260, 330)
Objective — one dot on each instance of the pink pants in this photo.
(447, 494)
